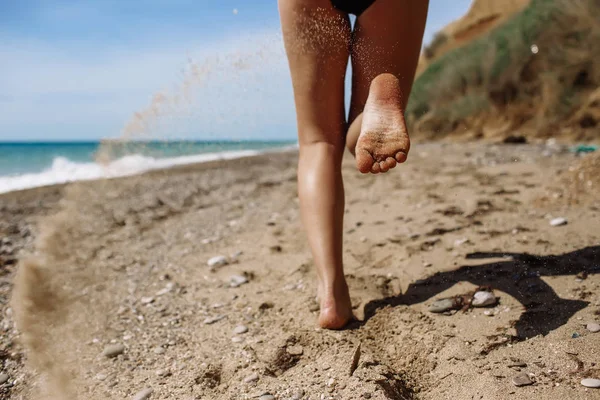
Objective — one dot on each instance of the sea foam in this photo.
(64, 170)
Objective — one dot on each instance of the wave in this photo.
(64, 170)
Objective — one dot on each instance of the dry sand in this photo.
(123, 263)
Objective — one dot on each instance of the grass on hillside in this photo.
(500, 71)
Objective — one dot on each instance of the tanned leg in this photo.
(317, 41)
(385, 51)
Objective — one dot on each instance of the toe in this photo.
(401, 157)
(390, 162)
(364, 160)
(383, 167)
(375, 168)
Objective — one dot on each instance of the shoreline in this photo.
(170, 163)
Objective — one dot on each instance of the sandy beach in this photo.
(106, 290)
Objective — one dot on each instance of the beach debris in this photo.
(295, 350)
(237, 280)
(217, 261)
(3, 378)
(591, 383)
(251, 378)
(558, 221)
(515, 139)
(143, 394)
(593, 327)
(355, 359)
(522, 379)
(575, 335)
(484, 299)
(238, 330)
(447, 304)
(212, 320)
(113, 350)
(583, 149)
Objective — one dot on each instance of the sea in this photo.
(26, 165)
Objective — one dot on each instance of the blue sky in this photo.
(81, 70)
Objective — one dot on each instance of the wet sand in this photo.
(123, 263)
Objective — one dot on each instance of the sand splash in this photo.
(42, 301)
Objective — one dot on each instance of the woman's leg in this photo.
(317, 42)
(385, 51)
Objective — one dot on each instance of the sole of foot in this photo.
(383, 140)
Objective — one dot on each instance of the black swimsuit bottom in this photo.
(355, 7)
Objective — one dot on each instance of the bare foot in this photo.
(336, 307)
(383, 140)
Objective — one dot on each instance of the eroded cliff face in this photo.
(483, 16)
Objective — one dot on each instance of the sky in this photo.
(157, 69)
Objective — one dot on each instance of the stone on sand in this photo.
(593, 327)
(558, 221)
(3, 378)
(483, 299)
(442, 305)
(113, 350)
(295, 350)
(591, 383)
(251, 378)
(237, 280)
(267, 396)
(522, 379)
(238, 330)
(212, 320)
(217, 261)
(143, 394)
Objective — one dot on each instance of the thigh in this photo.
(387, 39)
(317, 41)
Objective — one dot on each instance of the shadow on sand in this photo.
(519, 276)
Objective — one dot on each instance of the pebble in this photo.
(237, 280)
(593, 327)
(143, 394)
(217, 261)
(101, 377)
(237, 339)
(238, 330)
(147, 300)
(3, 378)
(558, 221)
(298, 395)
(251, 378)
(483, 299)
(296, 350)
(591, 383)
(113, 350)
(267, 397)
(163, 372)
(212, 320)
(159, 350)
(522, 380)
(441, 306)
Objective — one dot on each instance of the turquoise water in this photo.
(30, 164)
